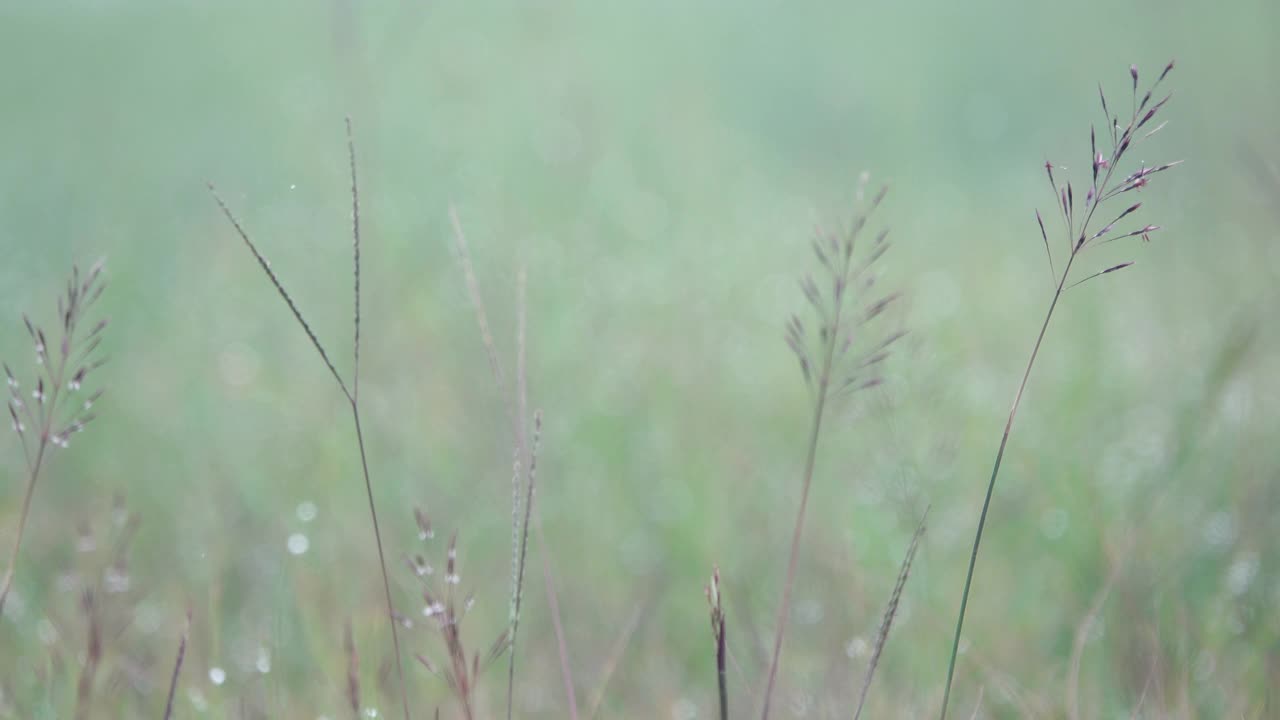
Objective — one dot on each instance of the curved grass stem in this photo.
(7, 583)
(991, 485)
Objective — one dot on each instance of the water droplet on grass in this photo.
(298, 544)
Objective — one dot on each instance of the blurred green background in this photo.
(657, 168)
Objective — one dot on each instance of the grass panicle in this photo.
(523, 525)
(523, 513)
(445, 612)
(355, 261)
(842, 308)
(717, 637)
(1107, 186)
(890, 612)
(59, 405)
(351, 392)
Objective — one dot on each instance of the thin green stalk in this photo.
(351, 393)
(811, 455)
(991, 485)
(518, 595)
(525, 459)
(354, 397)
(22, 522)
(838, 261)
(382, 562)
(1097, 195)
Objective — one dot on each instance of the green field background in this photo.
(658, 169)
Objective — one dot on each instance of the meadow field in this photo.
(640, 185)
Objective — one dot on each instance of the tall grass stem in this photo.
(991, 486)
(350, 392)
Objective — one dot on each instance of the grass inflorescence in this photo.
(59, 405)
(1077, 210)
(444, 609)
(838, 342)
(350, 391)
(836, 358)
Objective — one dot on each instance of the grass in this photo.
(463, 671)
(718, 639)
(1081, 237)
(660, 255)
(842, 314)
(351, 393)
(523, 513)
(55, 412)
(177, 671)
(890, 612)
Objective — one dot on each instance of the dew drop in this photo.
(298, 544)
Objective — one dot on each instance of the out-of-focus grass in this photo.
(657, 168)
